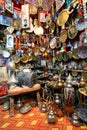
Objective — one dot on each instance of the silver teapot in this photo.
(57, 99)
(75, 119)
(51, 116)
(18, 104)
(43, 107)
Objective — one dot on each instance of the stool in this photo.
(22, 90)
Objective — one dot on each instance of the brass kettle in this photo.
(60, 83)
(82, 82)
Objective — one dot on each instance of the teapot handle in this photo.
(50, 98)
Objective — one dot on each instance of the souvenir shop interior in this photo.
(43, 64)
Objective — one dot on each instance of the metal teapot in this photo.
(43, 107)
(51, 116)
(19, 104)
(75, 120)
(57, 99)
(12, 80)
(11, 65)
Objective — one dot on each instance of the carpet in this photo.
(34, 120)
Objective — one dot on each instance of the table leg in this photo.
(11, 111)
(38, 97)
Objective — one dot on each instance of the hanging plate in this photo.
(52, 28)
(25, 58)
(69, 53)
(65, 56)
(6, 54)
(82, 111)
(75, 54)
(32, 9)
(16, 58)
(72, 32)
(59, 4)
(74, 73)
(53, 43)
(82, 52)
(63, 36)
(63, 17)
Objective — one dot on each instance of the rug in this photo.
(34, 120)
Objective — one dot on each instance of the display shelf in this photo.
(4, 96)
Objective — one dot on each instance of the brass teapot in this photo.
(60, 83)
(82, 82)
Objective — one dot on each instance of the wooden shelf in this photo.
(4, 96)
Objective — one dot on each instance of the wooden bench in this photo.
(22, 90)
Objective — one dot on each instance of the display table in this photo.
(22, 90)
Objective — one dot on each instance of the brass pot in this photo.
(60, 83)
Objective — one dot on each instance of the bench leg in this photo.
(38, 97)
(11, 111)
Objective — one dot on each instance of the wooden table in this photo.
(22, 90)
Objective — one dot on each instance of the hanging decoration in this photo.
(46, 4)
(25, 15)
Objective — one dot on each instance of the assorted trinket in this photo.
(48, 48)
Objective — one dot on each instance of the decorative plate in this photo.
(83, 91)
(65, 56)
(53, 43)
(63, 36)
(82, 113)
(25, 58)
(60, 56)
(75, 54)
(52, 28)
(74, 73)
(69, 54)
(6, 54)
(82, 52)
(63, 17)
(6, 106)
(72, 32)
(16, 58)
(25, 109)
